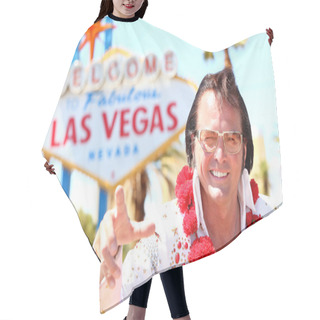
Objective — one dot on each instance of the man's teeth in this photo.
(219, 174)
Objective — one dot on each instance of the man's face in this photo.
(219, 171)
(126, 8)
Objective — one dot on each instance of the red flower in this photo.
(190, 223)
(255, 190)
(185, 196)
(256, 218)
(183, 189)
(249, 218)
(252, 218)
(200, 248)
(184, 175)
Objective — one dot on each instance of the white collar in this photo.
(244, 196)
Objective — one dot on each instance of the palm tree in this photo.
(88, 225)
(260, 165)
(208, 55)
(265, 177)
(227, 61)
(166, 168)
(136, 189)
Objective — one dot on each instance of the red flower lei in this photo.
(202, 246)
(253, 218)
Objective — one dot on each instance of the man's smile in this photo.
(218, 174)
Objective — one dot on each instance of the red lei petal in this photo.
(185, 196)
(249, 218)
(200, 248)
(184, 175)
(255, 190)
(252, 218)
(256, 218)
(190, 223)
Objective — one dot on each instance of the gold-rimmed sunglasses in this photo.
(208, 139)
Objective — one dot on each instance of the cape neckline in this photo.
(135, 18)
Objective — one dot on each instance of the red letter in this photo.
(132, 67)
(77, 74)
(53, 143)
(94, 72)
(123, 122)
(169, 62)
(106, 126)
(87, 130)
(113, 71)
(70, 132)
(172, 116)
(144, 121)
(150, 66)
(156, 119)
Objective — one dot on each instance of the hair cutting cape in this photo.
(121, 120)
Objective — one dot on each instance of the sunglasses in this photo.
(208, 139)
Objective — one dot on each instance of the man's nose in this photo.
(219, 152)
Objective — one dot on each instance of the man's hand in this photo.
(117, 229)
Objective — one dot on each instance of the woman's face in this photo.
(126, 8)
(219, 171)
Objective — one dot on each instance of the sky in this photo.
(48, 269)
